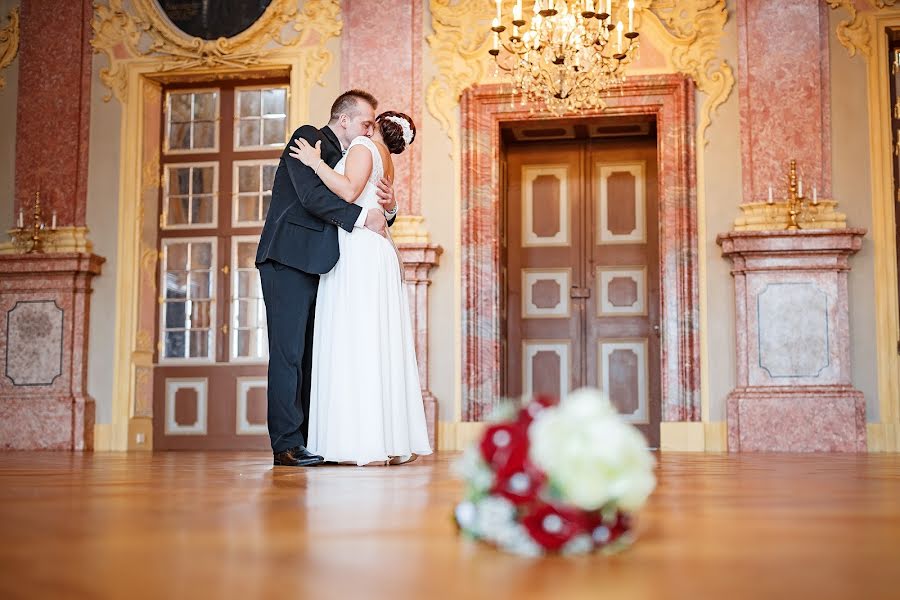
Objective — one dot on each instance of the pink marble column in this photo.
(418, 260)
(54, 107)
(45, 304)
(381, 52)
(784, 82)
(792, 321)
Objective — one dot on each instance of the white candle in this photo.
(589, 6)
(496, 41)
(630, 15)
(517, 10)
(771, 200)
(815, 195)
(498, 9)
(619, 29)
(21, 219)
(800, 188)
(53, 221)
(609, 7)
(537, 6)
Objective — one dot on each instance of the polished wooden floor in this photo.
(228, 525)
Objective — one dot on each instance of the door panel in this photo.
(543, 241)
(582, 274)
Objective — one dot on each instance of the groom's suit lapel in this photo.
(336, 152)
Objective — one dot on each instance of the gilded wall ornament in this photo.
(138, 29)
(853, 32)
(689, 30)
(9, 42)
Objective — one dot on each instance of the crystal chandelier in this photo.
(568, 54)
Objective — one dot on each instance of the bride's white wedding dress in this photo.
(365, 399)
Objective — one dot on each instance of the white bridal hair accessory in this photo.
(404, 125)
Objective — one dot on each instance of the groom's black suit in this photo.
(298, 242)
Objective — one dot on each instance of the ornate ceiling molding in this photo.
(690, 32)
(9, 42)
(129, 30)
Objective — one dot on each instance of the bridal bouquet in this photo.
(555, 477)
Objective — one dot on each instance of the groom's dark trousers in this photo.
(298, 242)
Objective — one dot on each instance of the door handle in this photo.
(579, 292)
(656, 330)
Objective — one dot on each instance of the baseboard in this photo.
(458, 435)
(102, 437)
(883, 437)
(140, 434)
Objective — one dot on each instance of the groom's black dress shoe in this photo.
(297, 457)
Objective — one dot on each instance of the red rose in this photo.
(553, 526)
(505, 448)
(520, 487)
(537, 404)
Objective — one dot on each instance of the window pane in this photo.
(179, 181)
(176, 257)
(204, 180)
(273, 101)
(180, 136)
(200, 285)
(251, 343)
(269, 176)
(199, 344)
(273, 131)
(248, 178)
(179, 108)
(198, 314)
(201, 255)
(176, 284)
(177, 211)
(249, 133)
(248, 284)
(246, 255)
(249, 105)
(175, 315)
(174, 344)
(204, 135)
(205, 106)
(248, 208)
(245, 312)
(202, 212)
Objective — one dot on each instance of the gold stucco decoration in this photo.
(9, 42)
(688, 30)
(854, 32)
(133, 29)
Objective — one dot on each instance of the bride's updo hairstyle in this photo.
(397, 129)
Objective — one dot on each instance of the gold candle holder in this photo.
(799, 208)
(36, 236)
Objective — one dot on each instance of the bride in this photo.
(365, 402)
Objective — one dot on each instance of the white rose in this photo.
(591, 455)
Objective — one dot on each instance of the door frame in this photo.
(483, 107)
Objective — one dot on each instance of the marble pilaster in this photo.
(793, 342)
(45, 299)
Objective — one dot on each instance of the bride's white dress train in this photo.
(365, 399)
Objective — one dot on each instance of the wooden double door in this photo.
(582, 273)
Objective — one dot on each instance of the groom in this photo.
(298, 243)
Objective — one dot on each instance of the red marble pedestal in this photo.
(418, 260)
(793, 389)
(43, 351)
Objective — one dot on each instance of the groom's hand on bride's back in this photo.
(376, 222)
